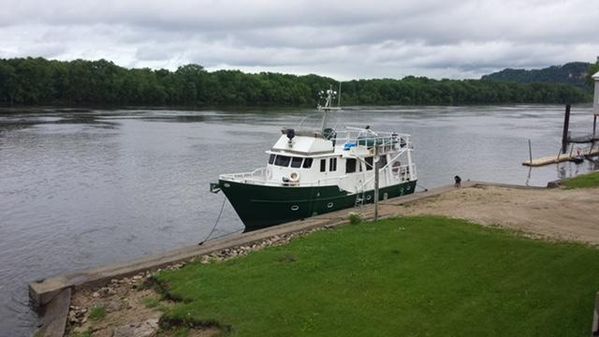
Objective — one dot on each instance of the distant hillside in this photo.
(573, 73)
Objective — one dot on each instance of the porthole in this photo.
(368, 197)
(330, 205)
(227, 185)
(294, 207)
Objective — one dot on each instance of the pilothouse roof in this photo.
(308, 144)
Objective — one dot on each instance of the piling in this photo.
(530, 150)
(566, 128)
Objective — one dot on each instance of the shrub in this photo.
(355, 218)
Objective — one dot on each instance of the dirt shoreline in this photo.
(132, 309)
(556, 214)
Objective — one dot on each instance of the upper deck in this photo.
(351, 142)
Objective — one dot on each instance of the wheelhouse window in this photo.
(296, 162)
(271, 159)
(350, 165)
(333, 164)
(369, 163)
(307, 163)
(282, 161)
(323, 165)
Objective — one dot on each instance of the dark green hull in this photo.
(261, 206)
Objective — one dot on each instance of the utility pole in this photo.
(376, 182)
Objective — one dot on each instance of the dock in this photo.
(559, 158)
(569, 141)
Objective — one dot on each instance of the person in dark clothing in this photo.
(458, 181)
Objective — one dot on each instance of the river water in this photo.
(89, 188)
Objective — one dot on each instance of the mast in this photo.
(328, 96)
(325, 117)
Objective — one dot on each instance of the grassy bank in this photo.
(402, 277)
(583, 181)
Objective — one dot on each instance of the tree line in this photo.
(38, 81)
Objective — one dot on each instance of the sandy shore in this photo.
(560, 214)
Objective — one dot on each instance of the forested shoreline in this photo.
(38, 81)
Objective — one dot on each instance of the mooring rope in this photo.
(227, 234)
(222, 207)
(421, 186)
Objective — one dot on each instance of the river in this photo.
(79, 189)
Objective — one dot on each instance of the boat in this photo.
(316, 171)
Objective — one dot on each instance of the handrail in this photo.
(257, 172)
(386, 138)
(247, 177)
(403, 170)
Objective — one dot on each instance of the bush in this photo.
(355, 218)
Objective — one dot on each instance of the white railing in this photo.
(257, 174)
(403, 173)
(259, 177)
(386, 141)
(390, 175)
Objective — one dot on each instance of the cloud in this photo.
(344, 39)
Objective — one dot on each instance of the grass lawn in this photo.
(583, 181)
(423, 276)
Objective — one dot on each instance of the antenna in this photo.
(328, 101)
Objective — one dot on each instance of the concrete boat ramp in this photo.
(52, 295)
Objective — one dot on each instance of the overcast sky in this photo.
(344, 39)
